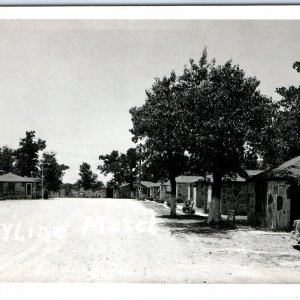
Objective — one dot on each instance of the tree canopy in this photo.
(88, 179)
(159, 125)
(283, 138)
(227, 117)
(27, 155)
(123, 166)
(53, 172)
(211, 120)
(7, 159)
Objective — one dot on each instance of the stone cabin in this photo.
(154, 189)
(234, 193)
(187, 188)
(274, 196)
(13, 186)
(148, 189)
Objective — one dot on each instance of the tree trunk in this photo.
(173, 196)
(214, 215)
(173, 185)
(131, 191)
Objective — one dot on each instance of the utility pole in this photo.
(42, 167)
(140, 166)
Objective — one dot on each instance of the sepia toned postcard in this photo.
(152, 146)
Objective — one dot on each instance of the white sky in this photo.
(73, 82)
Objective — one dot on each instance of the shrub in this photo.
(46, 194)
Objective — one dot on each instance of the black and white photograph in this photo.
(150, 151)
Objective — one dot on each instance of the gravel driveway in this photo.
(124, 240)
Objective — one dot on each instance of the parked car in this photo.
(295, 234)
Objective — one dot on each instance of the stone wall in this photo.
(78, 194)
(19, 191)
(278, 205)
(95, 194)
(234, 195)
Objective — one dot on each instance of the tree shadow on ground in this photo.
(296, 247)
(193, 224)
(183, 217)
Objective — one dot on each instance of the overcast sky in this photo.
(73, 82)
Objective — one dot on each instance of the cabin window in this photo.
(1, 187)
(11, 187)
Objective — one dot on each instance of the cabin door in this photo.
(295, 203)
(260, 198)
(29, 190)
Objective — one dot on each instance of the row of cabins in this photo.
(269, 198)
(234, 192)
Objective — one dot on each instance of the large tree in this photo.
(27, 155)
(154, 167)
(159, 125)
(7, 159)
(123, 166)
(88, 179)
(53, 172)
(283, 139)
(227, 118)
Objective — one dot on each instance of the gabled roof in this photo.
(250, 174)
(124, 184)
(149, 184)
(209, 178)
(145, 183)
(288, 169)
(189, 179)
(11, 177)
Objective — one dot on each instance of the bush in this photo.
(180, 199)
(46, 194)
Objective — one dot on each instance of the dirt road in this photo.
(123, 240)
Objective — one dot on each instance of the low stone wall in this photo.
(79, 194)
(19, 193)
